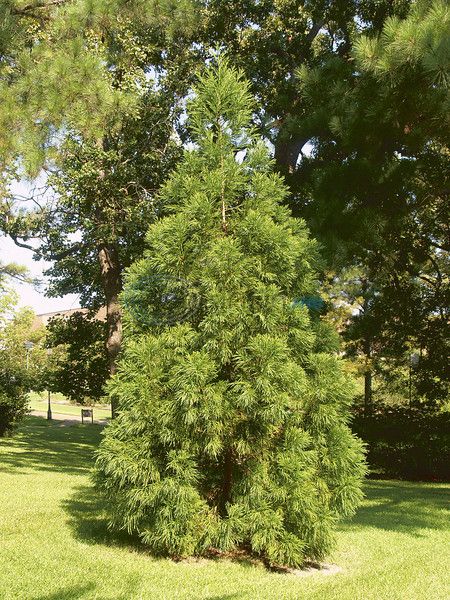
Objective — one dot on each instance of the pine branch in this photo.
(29, 8)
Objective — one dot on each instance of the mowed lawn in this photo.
(55, 545)
(59, 405)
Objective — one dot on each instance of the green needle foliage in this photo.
(232, 430)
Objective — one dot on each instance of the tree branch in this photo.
(433, 284)
(313, 32)
(23, 244)
(52, 256)
(29, 8)
(287, 152)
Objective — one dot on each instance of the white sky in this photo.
(28, 295)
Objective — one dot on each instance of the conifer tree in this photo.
(232, 429)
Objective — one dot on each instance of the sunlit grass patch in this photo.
(55, 543)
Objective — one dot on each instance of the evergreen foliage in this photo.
(232, 428)
(13, 402)
(374, 190)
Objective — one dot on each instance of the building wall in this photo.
(44, 318)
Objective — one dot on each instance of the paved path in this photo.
(67, 419)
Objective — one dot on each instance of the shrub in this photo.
(406, 443)
(232, 430)
(13, 402)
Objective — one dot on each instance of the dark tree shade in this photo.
(81, 369)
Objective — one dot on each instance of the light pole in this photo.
(28, 346)
(49, 407)
(414, 359)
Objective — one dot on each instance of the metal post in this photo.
(28, 346)
(49, 408)
(414, 360)
(410, 384)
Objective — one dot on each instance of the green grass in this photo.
(55, 545)
(59, 404)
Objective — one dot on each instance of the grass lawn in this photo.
(59, 404)
(54, 543)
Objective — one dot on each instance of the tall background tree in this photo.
(79, 367)
(92, 111)
(22, 358)
(352, 97)
(375, 188)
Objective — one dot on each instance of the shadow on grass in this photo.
(78, 591)
(88, 521)
(403, 506)
(68, 593)
(41, 445)
(87, 518)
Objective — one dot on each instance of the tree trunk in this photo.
(289, 146)
(228, 457)
(367, 392)
(227, 480)
(287, 152)
(110, 269)
(367, 350)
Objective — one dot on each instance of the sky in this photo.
(28, 295)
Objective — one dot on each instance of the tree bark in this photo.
(367, 392)
(227, 480)
(287, 152)
(367, 348)
(287, 145)
(111, 277)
